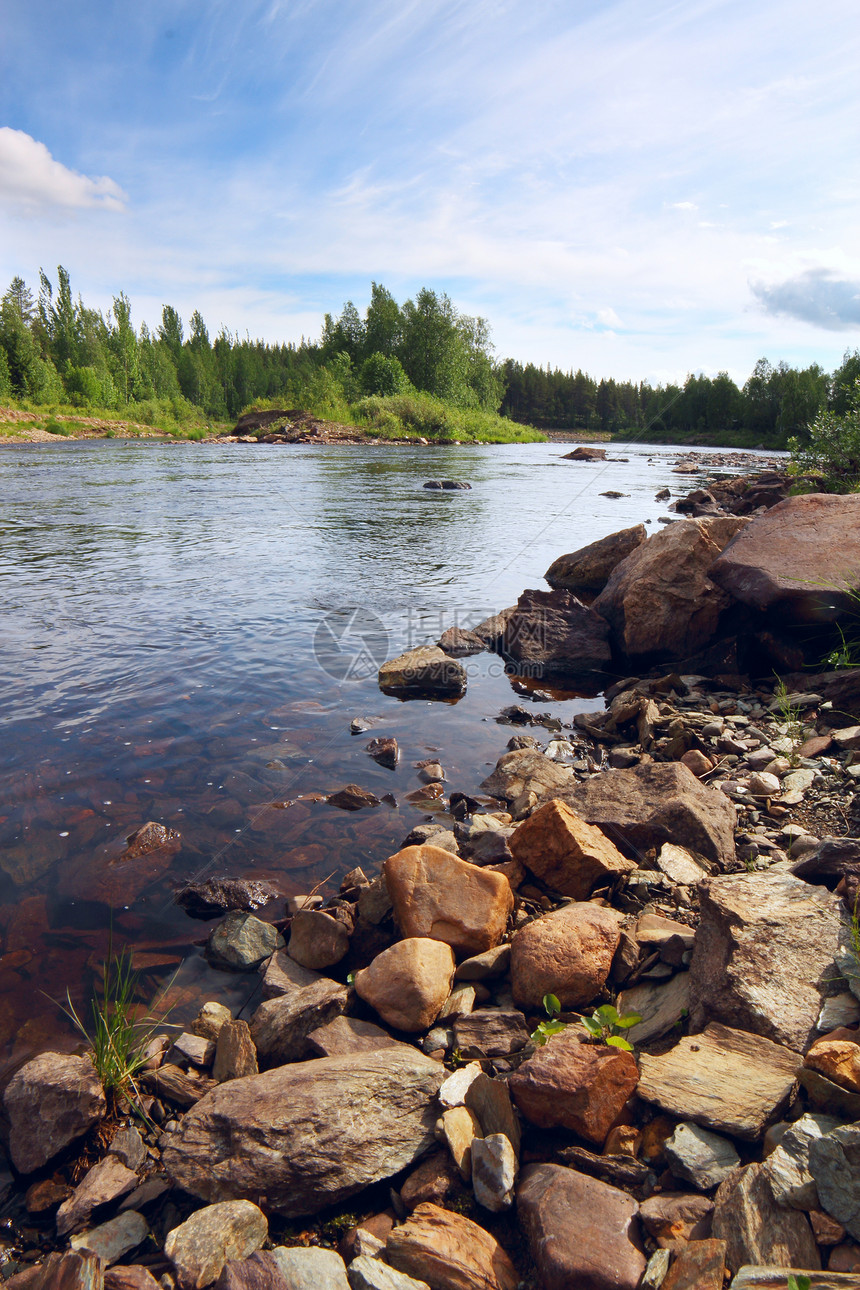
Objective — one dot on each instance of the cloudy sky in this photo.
(637, 187)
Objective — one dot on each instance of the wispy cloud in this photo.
(30, 177)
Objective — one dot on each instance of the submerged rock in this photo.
(426, 671)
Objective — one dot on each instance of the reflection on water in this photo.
(159, 605)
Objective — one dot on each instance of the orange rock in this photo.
(577, 1086)
(567, 953)
(838, 1059)
(437, 895)
(409, 982)
(571, 857)
(450, 1252)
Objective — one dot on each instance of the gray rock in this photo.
(194, 1049)
(701, 1158)
(659, 1006)
(425, 671)
(365, 1273)
(240, 942)
(308, 1135)
(106, 1181)
(199, 1247)
(283, 975)
(758, 1230)
(311, 1269)
(834, 1162)
(50, 1101)
(787, 1167)
(115, 1238)
(129, 1147)
(280, 1027)
(494, 1171)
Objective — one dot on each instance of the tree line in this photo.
(56, 350)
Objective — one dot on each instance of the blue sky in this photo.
(639, 188)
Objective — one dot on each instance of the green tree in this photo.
(832, 449)
(379, 374)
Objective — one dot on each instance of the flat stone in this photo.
(487, 966)
(830, 1097)
(424, 672)
(215, 896)
(576, 1086)
(567, 953)
(236, 1053)
(437, 895)
(680, 865)
(280, 1027)
(838, 1010)
(723, 1079)
(52, 1100)
(106, 1181)
(69, 1271)
(570, 856)
(660, 1006)
(240, 942)
(199, 1247)
(787, 1166)
(450, 1252)
(115, 1238)
(371, 1274)
(194, 1049)
(754, 1278)
(492, 1032)
(347, 1035)
(699, 1265)
(671, 1217)
(525, 770)
(834, 1162)
(311, 1269)
(701, 1158)
(758, 1230)
(408, 983)
(582, 1233)
(317, 940)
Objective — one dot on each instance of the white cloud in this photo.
(684, 206)
(608, 317)
(30, 177)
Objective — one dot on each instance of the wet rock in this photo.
(699, 1265)
(556, 632)
(46, 1194)
(106, 1181)
(494, 1169)
(833, 1163)
(437, 895)
(311, 1269)
(70, 1271)
(701, 1158)
(796, 558)
(758, 1230)
(525, 770)
(280, 1027)
(235, 1053)
(348, 1035)
(385, 751)
(660, 601)
(494, 1032)
(450, 1252)
(723, 1079)
(672, 1217)
(352, 797)
(661, 1006)
(765, 954)
(578, 1086)
(567, 953)
(317, 940)
(589, 568)
(585, 454)
(581, 1231)
(787, 1166)
(570, 856)
(283, 1134)
(371, 1274)
(655, 803)
(113, 1239)
(118, 879)
(408, 983)
(52, 1100)
(199, 1247)
(426, 671)
(458, 642)
(219, 895)
(240, 942)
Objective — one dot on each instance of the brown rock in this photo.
(384, 750)
(71, 1271)
(700, 1265)
(348, 1035)
(838, 1059)
(570, 856)
(280, 1027)
(567, 953)
(118, 878)
(583, 453)
(577, 1086)
(436, 895)
(674, 1216)
(490, 1100)
(317, 940)
(199, 1247)
(758, 1230)
(52, 1100)
(654, 803)
(557, 633)
(660, 601)
(46, 1194)
(352, 797)
(582, 1232)
(697, 762)
(436, 1179)
(260, 1271)
(526, 770)
(235, 1053)
(449, 1252)
(409, 982)
(108, 1180)
(801, 557)
(495, 1032)
(133, 1277)
(282, 975)
(589, 568)
(423, 671)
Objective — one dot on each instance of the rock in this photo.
(348, 1035)
(493, 1032)
(570, 856)
(485, 967)
(752, 1278)
(655, 803)
(459, 1128)
(209, 1020)
(680, 865)
(260, 1271)
(830, 861)
(588, 569)
(352, 797)
(555, 632)
(199, 1247)
(830, 1097)
(697, 762)
(660, 1006)
(800, 558)
(758, 1230)
(106, 1181)
(525, 770)
(436, 1179)
(235, 1054)
(317, 940)
(567, 953)
(283, 975)
(216, 896)
(838, 1059)
(699, 1265)
(494, 1171)
(240, 942)
(765, 954)
(672, 1217)
(787, 1166)
(115, 1238)
(450, 1252)
(460, 643)
(385, 751)
(311, 1269)
(655, 1272)
(833, 1163)
(722, 1079)
(408, 983)
(280, 1027)
(437, 895)
(660, 601)
(371, 1274)
(70, 1271)
(284, 1135)
(585, 454)
(132, 1277)
(581, 1231)
(423, 672)
(490, 1100)
(701, 1158)
(193, 1050)
(838, 1010)
(453, 1090)
(577, 1086)
(52, 1100)
(46, 1194)
(176, 1085)
(118, 879)
(763, 784)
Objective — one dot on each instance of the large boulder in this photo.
(555, 633)
(308, 1135)
(436, 894)
(660, 601)
(799, 558)
(567, 953)
(655, 803)
(568, 854)
(423, 672)
(589, 568)
(49, 1102)
(527, 770)
(765, 953)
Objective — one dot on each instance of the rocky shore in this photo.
(593, 1025)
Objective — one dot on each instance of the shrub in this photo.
(832, 449)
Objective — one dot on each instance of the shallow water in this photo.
(176, 616)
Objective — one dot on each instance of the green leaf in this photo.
(594, 1028)
(350, 980)
(615, 1041)
(629, 1019)
(551, 1005)
(606, 1015)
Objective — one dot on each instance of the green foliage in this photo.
(604, 1025)
(831, 448)
(798, 1282)
(56, 427)
(381, 375)
(545, 1030)
(422, 416)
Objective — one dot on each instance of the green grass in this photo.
(420, 416)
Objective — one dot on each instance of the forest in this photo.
(55, 350)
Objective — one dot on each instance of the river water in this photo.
(178, 617)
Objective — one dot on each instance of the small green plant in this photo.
(799, 1282)
(552, 1026)
(605, 1025)
(56, 427)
